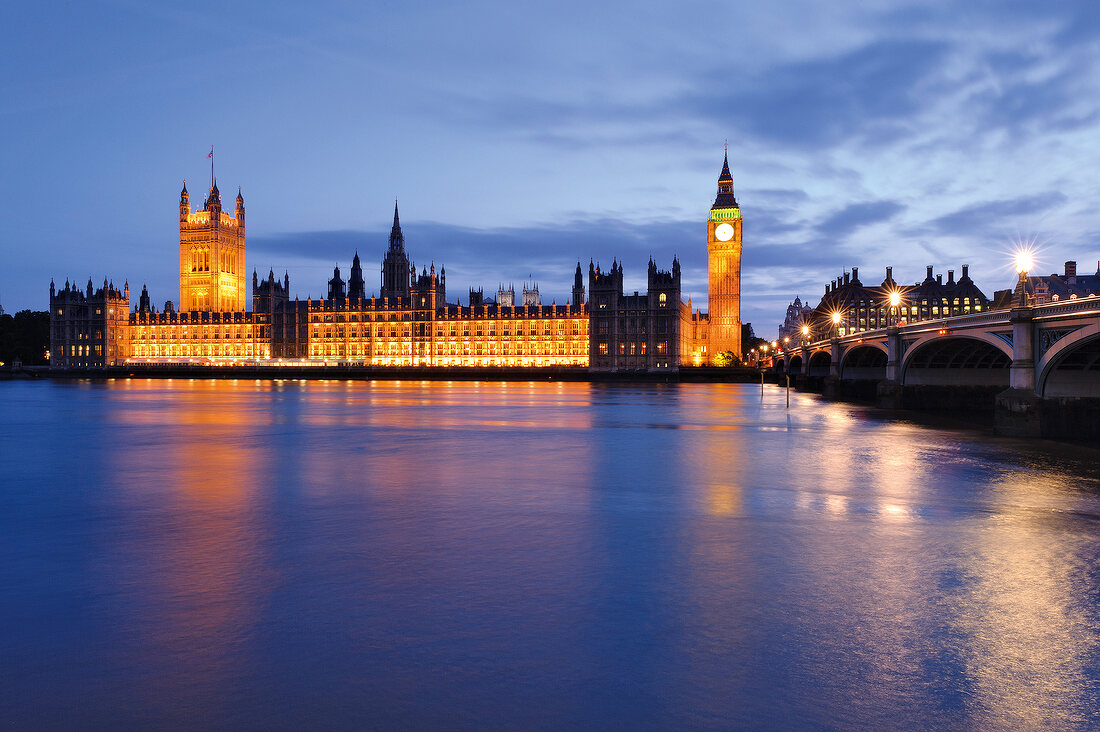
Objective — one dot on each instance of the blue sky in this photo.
(523, 137)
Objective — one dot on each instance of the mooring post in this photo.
(788, 391)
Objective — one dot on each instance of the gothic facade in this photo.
(410, 323)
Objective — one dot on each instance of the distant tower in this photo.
(578, 287)
(211, 255)
(506, 298)
(724, 268)
(531, 294)
(397, 272)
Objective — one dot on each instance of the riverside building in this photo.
(410, 323)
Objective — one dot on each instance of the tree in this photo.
(726, 359)
(25, 337)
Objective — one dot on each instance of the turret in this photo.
(239, 210)
(578, 287)
(143, 300)
(185, 203)
(214, 200)
(336, 291)
(356, 285)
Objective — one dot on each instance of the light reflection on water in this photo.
(289, 554)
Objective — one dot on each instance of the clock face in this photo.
(723, 232)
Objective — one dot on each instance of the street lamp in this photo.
(895, 300)
(836, 323)
(1024, 263)
(805, 334)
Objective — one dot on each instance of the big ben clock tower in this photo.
(724, 269)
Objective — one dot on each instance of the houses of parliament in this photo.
(409, 323)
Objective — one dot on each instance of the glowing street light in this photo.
(1024, 262)
(895, 300)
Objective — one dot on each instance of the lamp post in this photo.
(1023, 266)
(836, 323)
(895, 300)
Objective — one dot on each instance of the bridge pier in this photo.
(888, 392)
(1018, 409)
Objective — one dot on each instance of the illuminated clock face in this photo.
(723, 232)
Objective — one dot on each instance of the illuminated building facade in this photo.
(724, 269)
(212, 263)
(864, 308)
(410, 323)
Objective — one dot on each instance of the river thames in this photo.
(257, 554)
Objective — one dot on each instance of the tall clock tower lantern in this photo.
(724, 269)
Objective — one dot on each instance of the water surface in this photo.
(257, 554)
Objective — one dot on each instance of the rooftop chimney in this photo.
(855, 273)
(845, 278)
(890, 274)
(939, 279)
(950, 276)
(1071, 273)
(929, 275)
(966, 271)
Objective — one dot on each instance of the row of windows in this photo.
(321, 350)
(631, 348)
(200, 260)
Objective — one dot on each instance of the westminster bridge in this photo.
(1037, 366)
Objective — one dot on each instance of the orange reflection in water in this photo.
(197, 489)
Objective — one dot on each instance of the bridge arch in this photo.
(794, 364)
(1071, 367)
(820, 362)
(980, 359)
(864, 361)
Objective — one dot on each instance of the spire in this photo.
(725, 174)
(397, 239)
(726, 198)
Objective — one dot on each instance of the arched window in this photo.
(663, 299)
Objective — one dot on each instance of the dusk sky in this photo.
(521, 138)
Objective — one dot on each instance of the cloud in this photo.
(854, 217)
(978, 219)
(823, 101)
